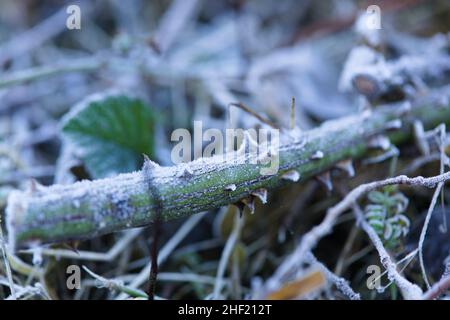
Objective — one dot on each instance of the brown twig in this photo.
(154, 260)
(254, 113)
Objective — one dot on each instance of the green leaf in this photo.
(110, 133)
(376, 197)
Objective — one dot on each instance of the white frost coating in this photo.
(325, 179)
(291, 175)
(360, 60)
(17, 206)
(86, 102)
(363, 60)
(120, 187)
(347, 166)
(340, 283)
(261, 194)
(394, 124)
(296, 134)
(317, 155)
(37, 256)
(409, 290)
(381, 142)
(230, 187)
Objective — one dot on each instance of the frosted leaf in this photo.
(110, 133)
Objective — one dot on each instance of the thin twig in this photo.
(292, 122)
(110, 255)
(168, 248)
(409, 290)
(6, 262)
(311, 238)
(340, 283)
(255, 114)
(113, 284)
(424, 231)
(226, 253)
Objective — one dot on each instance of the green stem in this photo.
(91, 208)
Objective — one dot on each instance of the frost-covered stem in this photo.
(116, 285)
(90, 208)
(410, 291)
(341, 284)
(7, 265)
(312, 237)
(423, 233)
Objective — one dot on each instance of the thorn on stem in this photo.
(254, 113)
(380, 142)
(230, 187)
(148, 163)
(317, 155)
(261, 194)
(250, 203)
(240, 207)
(347, 166)
(325, 179)
(291, 175)
(35, 186)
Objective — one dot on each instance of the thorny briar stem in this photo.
(88, 209)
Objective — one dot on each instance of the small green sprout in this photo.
(385, 213)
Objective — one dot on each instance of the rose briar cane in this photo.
(88, 209)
